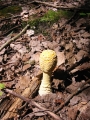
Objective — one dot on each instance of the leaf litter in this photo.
(19, 64)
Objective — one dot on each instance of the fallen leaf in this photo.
(75, 100)
(25, 67)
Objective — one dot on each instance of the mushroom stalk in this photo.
(45, 86)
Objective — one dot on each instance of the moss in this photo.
(50, 17)
(10, 9)
(54, 16)
(47, 20)
(34, 22)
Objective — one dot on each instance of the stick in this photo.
(73, 94)
(33, 103)
(14, 38)
(62, 7)
(28, 92)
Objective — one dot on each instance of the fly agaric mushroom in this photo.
(48, 61)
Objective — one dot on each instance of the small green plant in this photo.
(84, 14)
(2, 86)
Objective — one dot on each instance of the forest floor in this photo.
(24, 33)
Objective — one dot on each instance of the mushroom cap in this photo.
(48, 60)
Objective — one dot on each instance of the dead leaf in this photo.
(81, 67)
(60, 57)
(26, 56)
(25, 67)
(36, 57)
(81, 54)
(80, 22)
(23, 81)
(75, 100)
(39, 113)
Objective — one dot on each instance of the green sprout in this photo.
(2, 86)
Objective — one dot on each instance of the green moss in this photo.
(34, 22)
(54, 16)
(10, 9)
(46, 20)
(50, 17)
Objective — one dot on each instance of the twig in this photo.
(14, 38)
(73, 94)
(5, 81)
(62, 7)
(33, 103)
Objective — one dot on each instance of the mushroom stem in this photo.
(45, 87)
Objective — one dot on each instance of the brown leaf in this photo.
(75, 100)
(81, 67)
(38, 112)
(23, 81)
(25, 67)
(26, 56)
(60, 57)
(80, 55)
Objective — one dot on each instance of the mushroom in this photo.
(48, 61)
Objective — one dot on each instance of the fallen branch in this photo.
(81, 88)
(29, 92)
(64, 6)
(33, 103)
(14, 38)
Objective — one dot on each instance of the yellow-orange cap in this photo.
(48, 60)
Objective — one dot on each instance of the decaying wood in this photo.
(12, 111)
(28, 93)
(14, 38)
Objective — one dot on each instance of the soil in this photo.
(20, 72)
